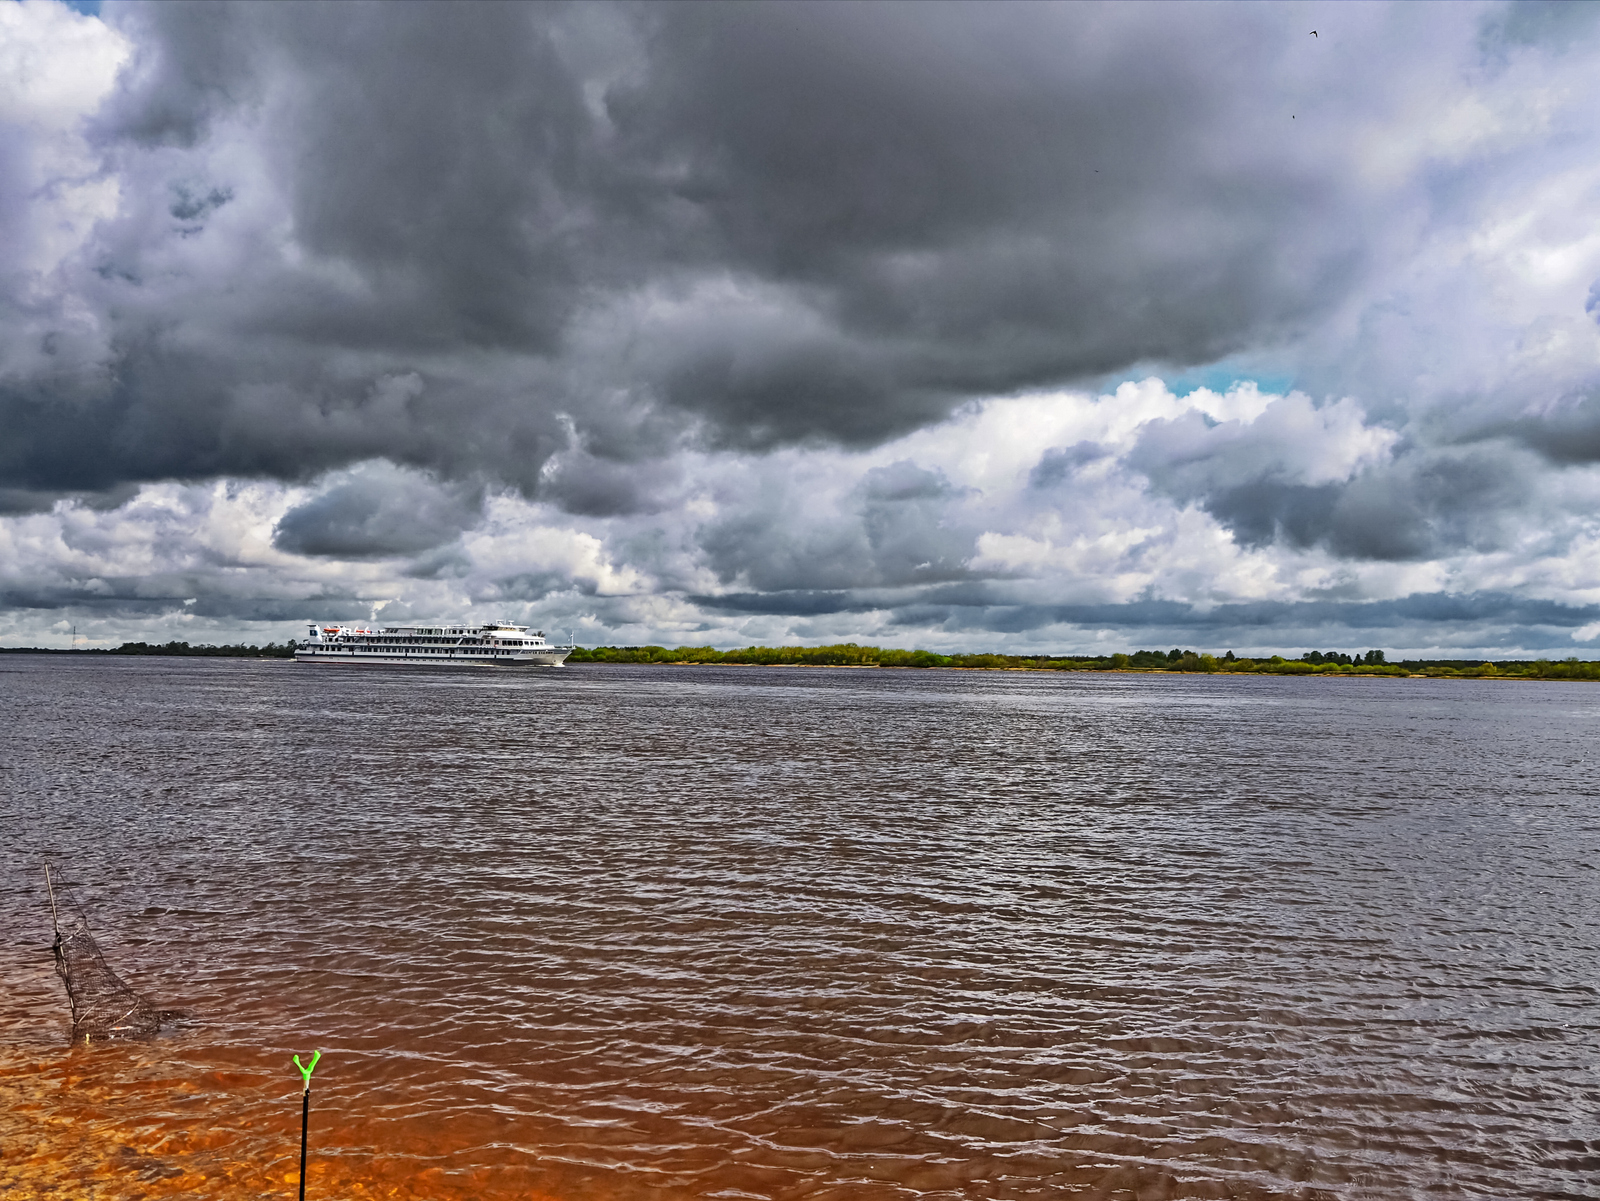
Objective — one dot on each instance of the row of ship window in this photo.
(427, 641)
(353, 649)
(371, 650)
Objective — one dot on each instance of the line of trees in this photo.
(849, 654)
(272, 650)
(241, 650)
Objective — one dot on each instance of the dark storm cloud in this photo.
(894, 528)
(1550, 22)
(436, 150)
(1420, 508)
(1566, 433)
(190, 62)
(1259, 481)
(799, 602)
(134, 598)
(1481, 618)
(904, 510)
(786, 222)
(1060, 463)
(378, 512)
(976, 198)
(595, 486)
(23, 500)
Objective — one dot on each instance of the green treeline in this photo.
(845, 655)
(271, 650)
(1372, 663)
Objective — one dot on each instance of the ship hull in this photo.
(364, 658)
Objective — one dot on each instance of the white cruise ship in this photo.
(496, 644)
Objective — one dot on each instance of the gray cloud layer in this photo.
(782, 221)
(377, 511)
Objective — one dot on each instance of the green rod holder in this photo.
(305, 1112)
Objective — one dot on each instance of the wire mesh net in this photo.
(103, 1005)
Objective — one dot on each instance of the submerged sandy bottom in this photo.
(107, 1125)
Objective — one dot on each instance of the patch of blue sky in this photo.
(89, 8)
(1219, 377)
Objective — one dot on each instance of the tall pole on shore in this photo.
(305, 1113)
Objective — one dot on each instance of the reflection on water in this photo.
(613, 932)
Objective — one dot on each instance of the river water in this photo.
(647, 932)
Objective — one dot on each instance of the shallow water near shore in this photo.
(670, 933)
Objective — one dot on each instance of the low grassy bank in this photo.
(850, 654)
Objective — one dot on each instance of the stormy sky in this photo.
(1036, 327)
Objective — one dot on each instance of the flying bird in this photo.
(1313, 33)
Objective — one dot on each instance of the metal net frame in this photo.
(104, 1006)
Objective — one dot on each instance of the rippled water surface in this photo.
(612, 932)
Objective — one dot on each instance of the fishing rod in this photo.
(55, 916)
(305, 1113)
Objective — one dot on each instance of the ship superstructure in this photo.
(495, 644)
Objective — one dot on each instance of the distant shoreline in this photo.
(1179, 662)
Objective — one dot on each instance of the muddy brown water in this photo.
(670, 933)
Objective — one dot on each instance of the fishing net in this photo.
(103, 1006)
